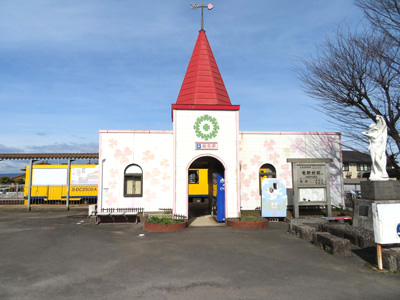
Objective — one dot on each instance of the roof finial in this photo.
(194, 6)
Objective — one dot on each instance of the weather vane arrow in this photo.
(194, 6)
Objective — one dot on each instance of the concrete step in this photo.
(302, 231)
(358, 236)
(332, 244)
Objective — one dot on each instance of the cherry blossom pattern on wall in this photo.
(110, 199)
(123, 155)
(286, 174)
(256, 160)
(270, 145)
(327, 143)
(153, 176)
(147, 156)
(298, 146)
(274, 158)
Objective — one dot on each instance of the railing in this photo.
(12, 194)
(179, 217)
(112, 210)
(48, 194)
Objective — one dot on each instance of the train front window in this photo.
(193, 176)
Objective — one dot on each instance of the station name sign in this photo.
(206, 146)
(311, 174)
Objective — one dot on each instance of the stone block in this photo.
(391, 259)
(332, 244)
(303, 231)
(358, 236)
(380, 190)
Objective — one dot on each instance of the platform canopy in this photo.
(38, 156)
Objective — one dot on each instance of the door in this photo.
(218, 208)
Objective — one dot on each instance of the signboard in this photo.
(310, 195)
(311, 174)
(49, 176)
(311, 184)
(81, 176)
(386, 218)
(274, 198)
(206, 146)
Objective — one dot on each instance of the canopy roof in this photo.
(38, 156)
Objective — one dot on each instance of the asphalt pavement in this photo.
(64, 255)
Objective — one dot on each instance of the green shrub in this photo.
(250, 213)
(162, 220)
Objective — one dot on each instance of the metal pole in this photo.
(68, 181)
(30, 183)
(296, 211)
(379, 256)
(202, 20)
(101, 185)
(328, 191)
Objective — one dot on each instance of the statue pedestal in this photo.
(380, 190)
(374, 192)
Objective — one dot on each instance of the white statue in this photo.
(377, 136)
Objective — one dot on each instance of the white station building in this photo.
(150, 169)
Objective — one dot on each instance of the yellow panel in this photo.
(59, 192)
(263, 177)
(56, 192)
(82, 191)
(200, 188)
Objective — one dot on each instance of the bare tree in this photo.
(355, 75)
(383, 15)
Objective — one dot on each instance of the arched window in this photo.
(133, 181)
(266, 171)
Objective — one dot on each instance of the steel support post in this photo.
(68, 182)
(30, 183)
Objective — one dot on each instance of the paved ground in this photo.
(63, 255)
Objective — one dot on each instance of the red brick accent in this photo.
(248, 225)
(164, 227)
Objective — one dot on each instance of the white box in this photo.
(386, 218)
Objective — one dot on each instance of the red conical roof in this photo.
(203, 84)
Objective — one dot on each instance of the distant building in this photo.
(356, 164)
(356, 168)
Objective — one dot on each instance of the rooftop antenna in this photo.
(194, 6)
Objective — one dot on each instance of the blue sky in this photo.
(69, 68)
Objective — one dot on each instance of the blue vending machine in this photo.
(274, 198)
(218, 205)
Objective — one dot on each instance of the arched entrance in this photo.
(206, 188)
(266, 171)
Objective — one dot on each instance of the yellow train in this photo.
(198, 186)
(49, 183)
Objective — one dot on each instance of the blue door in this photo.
(218, 207)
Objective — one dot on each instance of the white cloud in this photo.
(70, 68)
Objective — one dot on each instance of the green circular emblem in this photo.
(206, 127)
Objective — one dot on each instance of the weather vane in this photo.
(194, 6)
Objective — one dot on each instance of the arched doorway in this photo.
(206, 188)
(266, 171)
